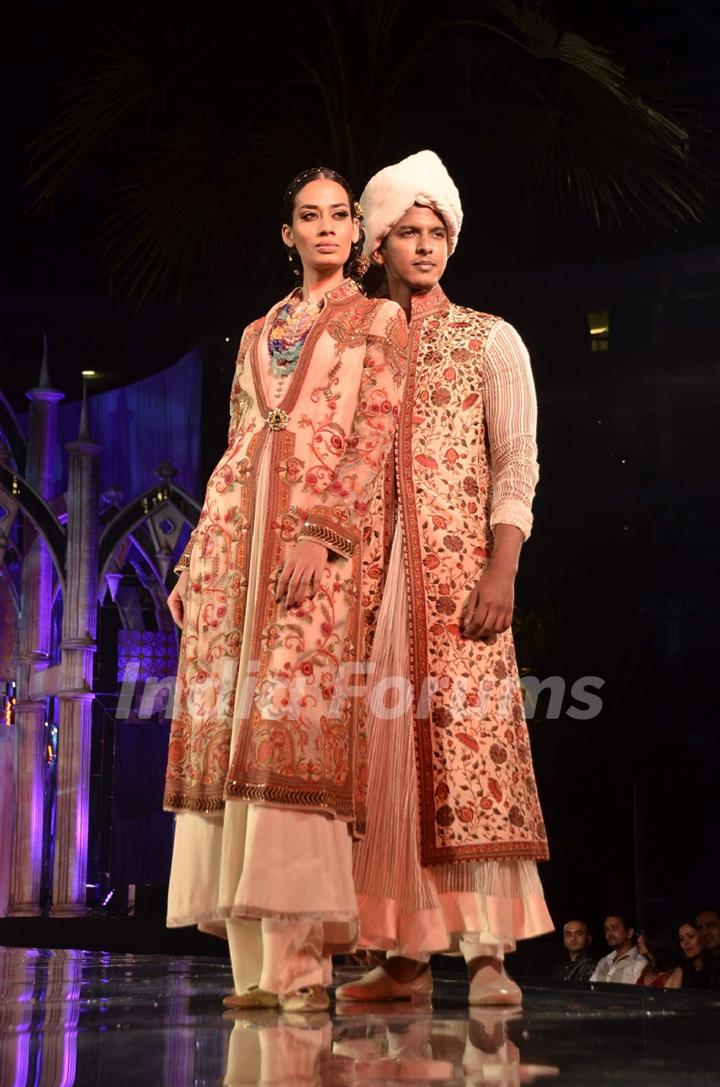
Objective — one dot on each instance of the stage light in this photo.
(599, 326)
(88, 373)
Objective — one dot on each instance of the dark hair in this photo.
(622, 915)
(690, 923)
(661, 941)
(354, 265)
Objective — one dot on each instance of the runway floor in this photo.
(76, 1018)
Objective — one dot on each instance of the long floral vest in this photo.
(478, 797)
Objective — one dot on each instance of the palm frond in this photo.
(179, 210)
(584, 129)
(191, 171)
(129, 85)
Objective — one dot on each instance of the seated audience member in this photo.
(624, 963)
(708, 926)
(578, 964)
(696, 968)
(658, 943)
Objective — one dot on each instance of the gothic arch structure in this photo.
(74, 550)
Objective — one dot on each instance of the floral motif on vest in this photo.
(477, 788)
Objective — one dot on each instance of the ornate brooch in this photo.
(277, 419)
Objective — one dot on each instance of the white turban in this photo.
(418, 179)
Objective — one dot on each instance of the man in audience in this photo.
(708, 927)
(624, 963)
(579, 963)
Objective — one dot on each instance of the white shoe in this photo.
(377, 985)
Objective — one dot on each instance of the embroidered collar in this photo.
(434, 301)
(346, 289)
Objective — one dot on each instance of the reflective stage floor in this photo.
(80, 1018)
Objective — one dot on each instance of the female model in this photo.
(264, 744)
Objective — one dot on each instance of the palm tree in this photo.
(161, 112)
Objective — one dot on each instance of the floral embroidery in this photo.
(292, 725)
(477, 789)
(345, 506)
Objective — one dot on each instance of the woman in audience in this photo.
(658, 943)
(696, 970)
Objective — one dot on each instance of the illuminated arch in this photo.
(37, 510)
(128, 519)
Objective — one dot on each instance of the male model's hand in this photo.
(302, 573)
(176, 600)
(489, 607)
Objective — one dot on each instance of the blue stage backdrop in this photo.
(139, 426)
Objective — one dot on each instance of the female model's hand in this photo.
(489, 607)
(302, 573)
(176, 600)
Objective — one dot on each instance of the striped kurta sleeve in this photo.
(511, 421)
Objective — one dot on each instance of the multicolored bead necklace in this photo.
(289, 331)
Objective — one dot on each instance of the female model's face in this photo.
(323, 228)
(642, 947)
(689, 941)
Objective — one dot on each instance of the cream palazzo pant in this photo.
(278, 956)
(277, 882)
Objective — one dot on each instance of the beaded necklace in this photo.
(289, 331)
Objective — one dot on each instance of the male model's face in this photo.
(415, 252)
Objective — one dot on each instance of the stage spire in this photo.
(84, 431)
(44, 380)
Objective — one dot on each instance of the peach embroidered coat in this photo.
(315, 455)
(477, 793)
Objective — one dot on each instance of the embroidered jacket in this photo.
(260, 714)
(464, 464)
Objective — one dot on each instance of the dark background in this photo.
(619, 579)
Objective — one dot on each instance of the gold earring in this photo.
(291, 257)
(362, 264)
